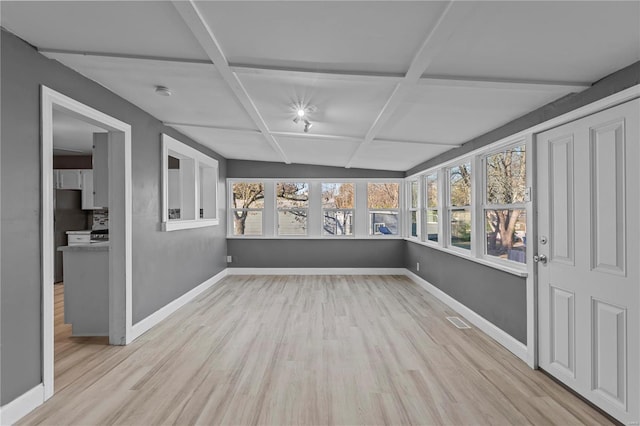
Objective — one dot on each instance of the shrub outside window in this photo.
(292, 203)
(505, 208)
(432, 213)
(383, 202)
(460, 217)
(247, 208)
(338, 203)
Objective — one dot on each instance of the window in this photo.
(505, 208)
(247, 206)
(338, 203)
(460, 206)
(292, 203)
(414, 209)
(431, 197)
(190, 183)
(383, 204)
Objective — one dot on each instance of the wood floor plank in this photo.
(305, 350)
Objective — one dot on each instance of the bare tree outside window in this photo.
(383, 200)
(505, 217)
(460, 206)
(292, 202)
(248, 203)
(338, 203)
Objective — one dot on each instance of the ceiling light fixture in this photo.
(307, 125)
(163, 91)
(302, 114)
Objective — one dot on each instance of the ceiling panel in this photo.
(318, 35)
(233, 145)
(328, 152)
(151, 28)
(544, 40)
(455, 115)
(71, 135)
(200, 96)
(345, 107)
(399, 156)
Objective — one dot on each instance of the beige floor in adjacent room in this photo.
(305, 350)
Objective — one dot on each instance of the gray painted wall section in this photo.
(616, 82)
(266, 169)
(165, 264)
(307, 253)
(316, 253)
(497, 296)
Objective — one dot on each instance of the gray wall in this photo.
(165, 264)
(310, 253)
(316, 253)
(496, 295)
(266, 169)
(616, 82)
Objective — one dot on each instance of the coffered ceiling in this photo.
(391, 83)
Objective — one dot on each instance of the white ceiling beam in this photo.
(200, 29)
(454, 145)
(316, 136)
(282, 72)
(46, 51)
(505, 84)
(383, 78)
(214, 127)
(454, 14)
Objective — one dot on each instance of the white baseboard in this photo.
(517, 348)
(316, 271)
(22, 405)
(146, 324)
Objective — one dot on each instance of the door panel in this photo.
(588, 290)
(562, 329)
(561, 194)
(607, 198)
(609, 351)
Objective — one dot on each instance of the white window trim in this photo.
(448, 209)
(477, 253)
(315, 209)
(170, 144)
(410, 209)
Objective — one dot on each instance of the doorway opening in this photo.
(105, 268)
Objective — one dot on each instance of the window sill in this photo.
(511, 270)
(176, 225)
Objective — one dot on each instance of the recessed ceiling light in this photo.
(300, 112)
(163, 91)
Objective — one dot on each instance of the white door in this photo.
(588, 299)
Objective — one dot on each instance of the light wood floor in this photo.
(306, 350)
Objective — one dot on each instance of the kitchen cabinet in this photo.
(86, 288)
(67, 179)
(88, 192)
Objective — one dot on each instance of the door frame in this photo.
(120, 218)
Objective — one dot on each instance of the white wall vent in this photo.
(458, 322)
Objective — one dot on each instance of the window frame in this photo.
(438, 208)
(352, 210)
(315, 209)
(417, 209)
(398, 210)
(485, 205)
(175, 148)
(232, 209)
(478, 197)
(307, 209)
(449, 208)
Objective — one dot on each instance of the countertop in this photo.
(86, 247)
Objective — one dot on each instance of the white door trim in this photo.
(120, 269)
